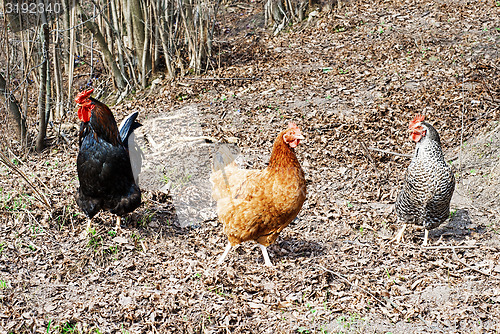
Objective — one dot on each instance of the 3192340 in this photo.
(32, 8)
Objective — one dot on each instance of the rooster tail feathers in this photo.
(127, 126)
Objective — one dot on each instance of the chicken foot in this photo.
(263, 248)
(399, 236)
(118, 223)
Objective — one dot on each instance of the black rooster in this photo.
(103, 163)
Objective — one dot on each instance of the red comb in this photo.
(416, 120)
(82, 96)
(292, 125)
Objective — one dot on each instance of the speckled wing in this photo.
(427, 190)
(437, 209)
(411, 199)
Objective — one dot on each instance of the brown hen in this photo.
(259, 204)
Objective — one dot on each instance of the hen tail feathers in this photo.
(222, 158)
(223, 165)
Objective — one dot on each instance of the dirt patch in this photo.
(478, 159)
(177, 161)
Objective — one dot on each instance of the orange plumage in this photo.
(259, 204)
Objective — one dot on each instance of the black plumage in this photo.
(103, 162)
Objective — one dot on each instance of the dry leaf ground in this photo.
(351, 77)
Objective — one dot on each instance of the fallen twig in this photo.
(461, 132)
(354, 285)
(390, 152)
(456, 258)
(144, 248)
(272, 89)
(449, 247)
(211, 79)
(367, 153)
(491, 100)
(22, 163)
(13, 167)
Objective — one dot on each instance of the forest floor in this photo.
(351, 79)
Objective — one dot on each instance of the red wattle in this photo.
(416, 137)
(84, 113)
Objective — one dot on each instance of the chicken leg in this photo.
(266, 256)
(118, 223)
(87, 232)
(426, 237)
(226, 251)
(263, 248)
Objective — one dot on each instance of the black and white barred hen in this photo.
(429, 182)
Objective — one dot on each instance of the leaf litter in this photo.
(350, 78)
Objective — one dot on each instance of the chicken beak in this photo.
(300, 137)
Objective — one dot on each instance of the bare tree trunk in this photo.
(116, 27)
(187, 19)
(140, 31)
(48, 85)
(92, 48)
(56, 56)
(164, 42)
(129, 25)
(108, 56)
(145, 51)
(72, 42)
(108, 17)
(283, 12)
(14, 111)
(58, 83)
(122, 49)
(153, 28)
(66, 33)
(25, 74)
(42, 92)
